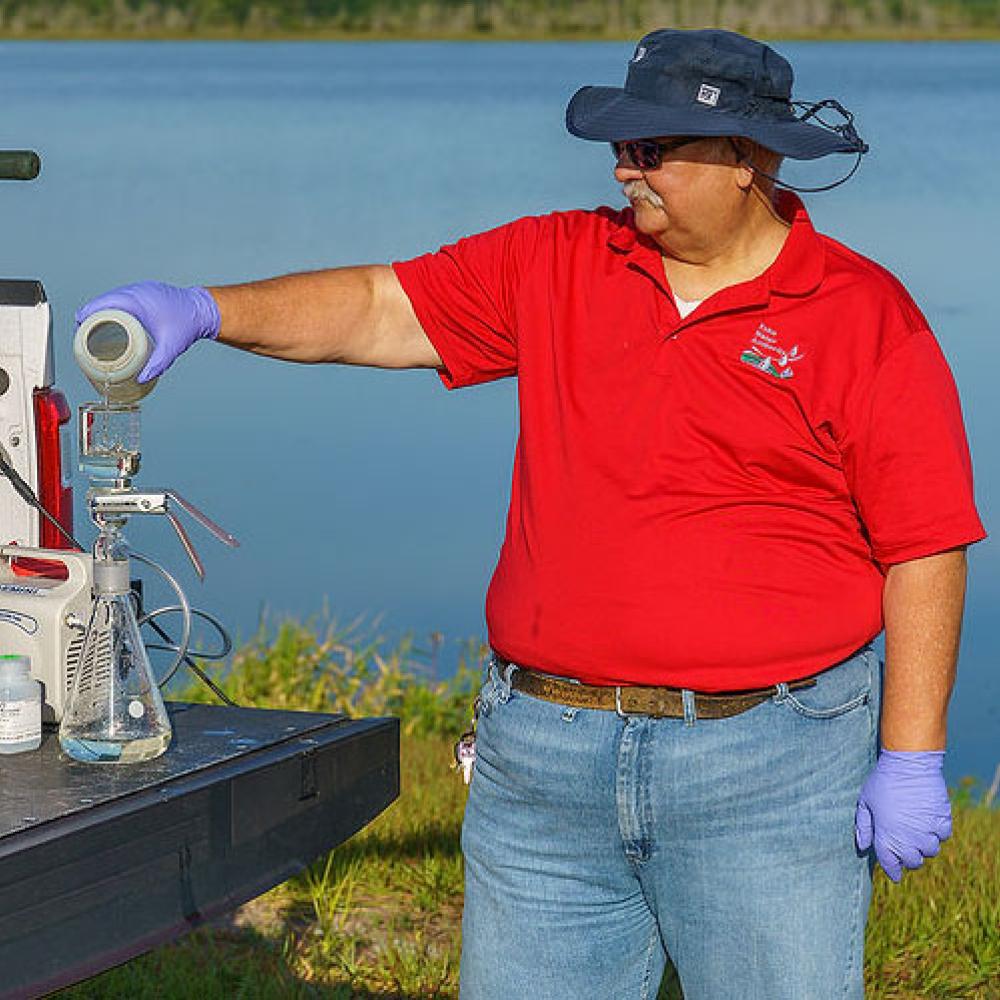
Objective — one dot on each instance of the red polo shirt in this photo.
(709, 502)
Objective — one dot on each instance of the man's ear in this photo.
(743, 151)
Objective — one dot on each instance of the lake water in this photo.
(379, 493)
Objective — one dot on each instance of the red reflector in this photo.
(56, 494)
(52, 413)
(48, 568)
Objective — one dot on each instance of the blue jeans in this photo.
(595, 845)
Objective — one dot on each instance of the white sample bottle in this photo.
(111, 348)
(20, 706)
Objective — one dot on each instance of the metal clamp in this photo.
(124, 503)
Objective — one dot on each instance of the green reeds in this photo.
(507, 19)
(325, 667)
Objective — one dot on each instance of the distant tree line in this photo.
(502, 18)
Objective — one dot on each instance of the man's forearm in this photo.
(292, 317)
(923, 602)
(354, 315)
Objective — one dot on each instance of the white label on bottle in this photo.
(20, 721)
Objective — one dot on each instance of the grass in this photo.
(380, 915)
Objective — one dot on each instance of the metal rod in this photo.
(19, 164)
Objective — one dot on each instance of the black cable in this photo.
(172, 647)
(190, 664)
(149, 619)
(25, 492)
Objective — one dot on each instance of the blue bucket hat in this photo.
(711, 83)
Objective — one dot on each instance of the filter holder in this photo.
(110, 504)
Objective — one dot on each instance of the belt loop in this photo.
(782, 693)
(618, 703)
(508, 672)
(690, 711)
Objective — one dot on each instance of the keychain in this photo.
(465, 754)
(465, 748)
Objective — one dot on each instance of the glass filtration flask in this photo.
(114, 713)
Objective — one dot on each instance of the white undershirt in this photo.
(686, 306)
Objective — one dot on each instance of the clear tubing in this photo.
(149, 618)
(185, 608)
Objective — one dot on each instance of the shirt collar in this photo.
(798, 268)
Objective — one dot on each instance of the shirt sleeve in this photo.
(464, 296)
(906, 456)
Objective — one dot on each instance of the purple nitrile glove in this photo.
(174, 317)
(904, 809)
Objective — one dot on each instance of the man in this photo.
(741, 453)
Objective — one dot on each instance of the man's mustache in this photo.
(640, 191)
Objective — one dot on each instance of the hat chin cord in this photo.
(845, 130)
(792, 187)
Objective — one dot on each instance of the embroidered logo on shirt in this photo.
(767, 355)
(639, 54)
(707, 94)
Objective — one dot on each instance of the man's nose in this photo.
(626, 171)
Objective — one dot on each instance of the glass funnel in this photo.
(109, 441)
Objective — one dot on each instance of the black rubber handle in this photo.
(19, 164)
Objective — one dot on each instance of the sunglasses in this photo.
(647, 154)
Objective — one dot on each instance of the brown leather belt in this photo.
(658, 702)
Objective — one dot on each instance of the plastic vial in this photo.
(20, 706)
